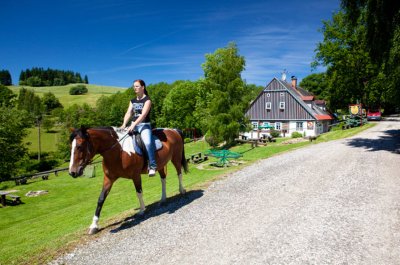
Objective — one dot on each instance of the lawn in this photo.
(62, 93)
(43, 227)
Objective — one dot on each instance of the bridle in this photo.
(90, 148)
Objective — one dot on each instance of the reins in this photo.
(91, 161)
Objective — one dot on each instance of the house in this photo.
(287, 108)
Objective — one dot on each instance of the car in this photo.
(374, 115)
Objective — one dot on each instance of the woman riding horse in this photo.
(117, 162)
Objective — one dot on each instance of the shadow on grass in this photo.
(155, 209)
(390, 141)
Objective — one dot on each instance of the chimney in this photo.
(294, 82)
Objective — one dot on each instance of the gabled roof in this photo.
(301, 95)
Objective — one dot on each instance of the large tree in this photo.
(382, 21)
(349, 67)
(222, 98)
(317, 84)
(179, 105)
(13, 125)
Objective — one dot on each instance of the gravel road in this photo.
(329, 203)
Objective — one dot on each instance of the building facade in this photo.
(287, 108)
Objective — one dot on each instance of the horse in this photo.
(119, 162)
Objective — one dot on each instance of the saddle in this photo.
(139, 146)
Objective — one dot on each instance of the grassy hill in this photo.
(62, 93)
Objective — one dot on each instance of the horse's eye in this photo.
(79, 147)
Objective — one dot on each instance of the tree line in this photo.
(38, 76)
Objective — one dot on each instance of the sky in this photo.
(114, 42)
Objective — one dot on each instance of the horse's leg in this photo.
(163, 176)
(178, 166)
(107, 184)
(137, 181)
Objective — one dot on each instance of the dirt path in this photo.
(329, 203)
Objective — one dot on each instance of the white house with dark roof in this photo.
(287, 108)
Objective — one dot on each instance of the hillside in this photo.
(62, 93)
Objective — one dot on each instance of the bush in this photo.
(78, 90)
(187, 140)
(275, 133)
(296, 135)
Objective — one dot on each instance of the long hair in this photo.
(142, 83)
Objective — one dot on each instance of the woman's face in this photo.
(138, 87)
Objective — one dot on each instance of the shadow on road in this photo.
(390, 141)
(170, 206)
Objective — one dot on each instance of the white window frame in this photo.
(299, 126)
(255, 125)
(268, 105)
(278, 126)
(282, 105)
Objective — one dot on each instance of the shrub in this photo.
(187, 140)
(296, 135)
(78, 90)
(275, 133)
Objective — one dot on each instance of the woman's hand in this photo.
(130, 128)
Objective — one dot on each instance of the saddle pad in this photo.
(139, 151)
(128, 142)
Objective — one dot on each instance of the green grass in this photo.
(62, 93)
(48, 140)
(43, 227)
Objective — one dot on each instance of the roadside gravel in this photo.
(329, 203)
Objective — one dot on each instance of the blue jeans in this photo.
(145, 131)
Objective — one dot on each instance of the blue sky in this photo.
(114, 42)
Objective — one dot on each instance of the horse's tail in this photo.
(183, 161)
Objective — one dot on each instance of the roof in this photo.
(301, 95)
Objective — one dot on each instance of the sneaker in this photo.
(152, 172)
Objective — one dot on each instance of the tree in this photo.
(158, 92)
(179, 105)
(78, 90)
(382, 22)
(86, 80)
(349, 66)
(317, 84)
(220, 106)
(13, 125)
(27, 100)
(50, 102)
(6, 96)
(5, 78)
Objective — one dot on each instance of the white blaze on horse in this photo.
(119, 161)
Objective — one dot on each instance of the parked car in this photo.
(374, 115)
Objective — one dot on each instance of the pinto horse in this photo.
(117, 162)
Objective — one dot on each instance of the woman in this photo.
(139, 109)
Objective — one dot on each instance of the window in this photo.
(299, 126)
(268, 95)
(282, 105)
(268, 105)
(282, 94)
(278, 126)
(255, 125)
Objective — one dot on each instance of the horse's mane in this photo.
(83, 132)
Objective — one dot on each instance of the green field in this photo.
(43, 227)
(62, 93)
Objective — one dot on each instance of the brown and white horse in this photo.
(117, 162)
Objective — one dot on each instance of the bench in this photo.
(22, 181)
(15, 199)
(45, 177)
(197, 158)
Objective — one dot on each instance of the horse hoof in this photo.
(93, 231)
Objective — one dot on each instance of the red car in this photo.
(374, 115)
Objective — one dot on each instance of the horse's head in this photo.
(81, 151)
